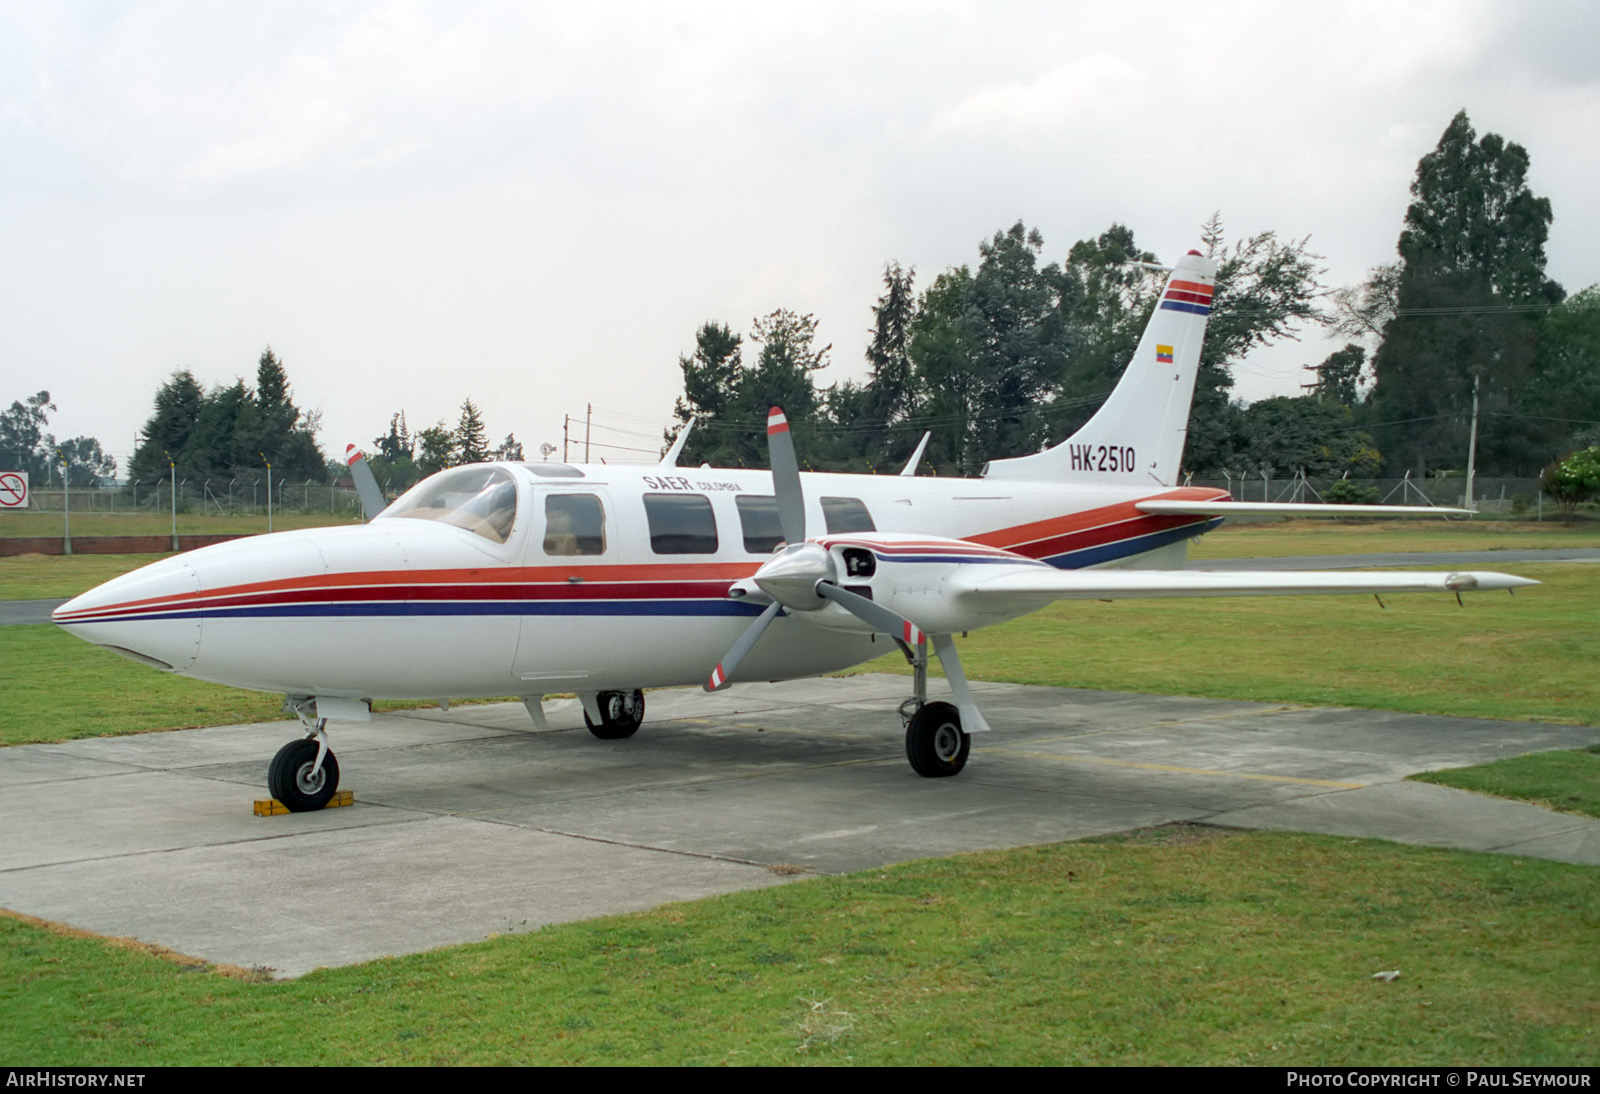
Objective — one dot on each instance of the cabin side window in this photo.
(681, 524)
(574, 524)
(758, 520)
(847, 515)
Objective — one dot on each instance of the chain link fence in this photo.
(211, 497)
(1519, 497)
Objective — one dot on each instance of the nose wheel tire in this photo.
(290, 778)
(935, 743)
(620, 714)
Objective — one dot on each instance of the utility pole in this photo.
(588, 419)
(566, 431)
(1472, 445)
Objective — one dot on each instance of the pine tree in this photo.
(470, 441)
(890, 394)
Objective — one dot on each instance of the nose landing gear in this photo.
(295, 778)
(304, 775)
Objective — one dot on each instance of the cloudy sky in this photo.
(536, 205)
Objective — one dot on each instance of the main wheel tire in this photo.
(935, 743)
(289, 777)
(621, 712)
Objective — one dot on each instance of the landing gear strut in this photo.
(620, 714)
(304, 774)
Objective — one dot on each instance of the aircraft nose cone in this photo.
(790, 577)
(145, 615)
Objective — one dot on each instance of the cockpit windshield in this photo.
(481, 499)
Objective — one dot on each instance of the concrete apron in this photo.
(470, 822)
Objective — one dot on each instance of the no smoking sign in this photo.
(13, 489)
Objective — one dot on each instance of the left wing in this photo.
(991, 587)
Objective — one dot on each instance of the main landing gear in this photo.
(305, 774)
(620, 714)
(936, 744)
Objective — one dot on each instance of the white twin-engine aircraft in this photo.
(538, 578)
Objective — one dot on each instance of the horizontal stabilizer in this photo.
(1293, 509)
(1023, 586)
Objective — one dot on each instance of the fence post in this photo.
(66, 509)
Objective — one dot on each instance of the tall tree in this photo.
(1562, 404)
(1364, 311)
(166, 432)
(510, 450)
(25, 445)
(1471, 290)
(470, 441)
(1108, 295)
(889, 395)
(287, 435)
(396, 443)
(1284, 435)
(782, 375)
(988, 348)
(278, 412)
(436, 448)
(711, 378)
(22, 435)
(1339, 375)
(232, 430)
(1267, 289)
(87, 463)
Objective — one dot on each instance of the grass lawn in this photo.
(1567, 780)
(1172, 946)
(143, 523)
(1264, 539)
(40, 577)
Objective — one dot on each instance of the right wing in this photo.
(989, 588)
(1166, 507)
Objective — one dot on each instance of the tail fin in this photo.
(1137, 435)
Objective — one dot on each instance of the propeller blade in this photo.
(785, 477)
(367, 490)
(747, 640)
(872, 613)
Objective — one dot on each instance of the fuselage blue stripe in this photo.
(1123, 548)
(1181, 305)
(455, 607)
(1013, 561)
